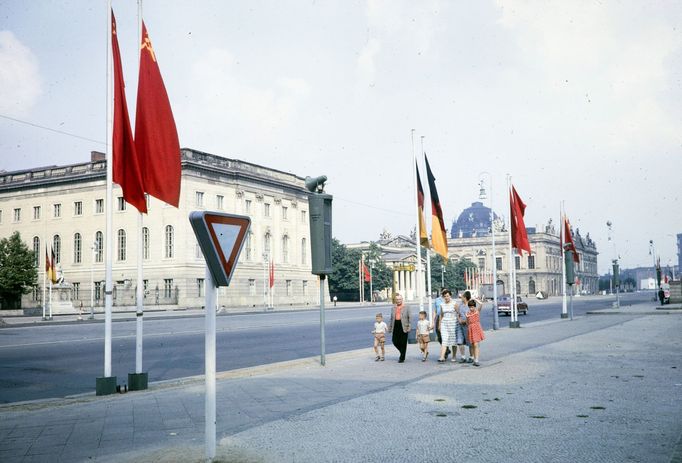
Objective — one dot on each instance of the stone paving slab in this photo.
(350, 404)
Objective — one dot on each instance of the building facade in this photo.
(539, 271)
(64, 207)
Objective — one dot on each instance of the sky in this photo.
(578, 101)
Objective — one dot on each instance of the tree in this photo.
(453, 277)
(343, 282)
(17, 270)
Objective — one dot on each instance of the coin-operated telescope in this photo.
(320, 204)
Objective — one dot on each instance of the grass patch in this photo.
(597, 407)
(540, 417)
(469, 406)
(439, 400)
(583, 416)
(441, 414)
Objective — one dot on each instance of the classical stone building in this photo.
(540, 271)
(64, 206)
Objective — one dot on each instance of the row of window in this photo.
(517, 262)
(219, 203)
(250, 248)
(98, 246)
(288, 285)
(77, 209)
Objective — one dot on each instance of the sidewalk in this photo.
(551, 391)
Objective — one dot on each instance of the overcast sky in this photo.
(579, 101)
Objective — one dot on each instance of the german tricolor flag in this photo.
(423, 236)
(438, 237)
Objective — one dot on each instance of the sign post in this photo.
(220, 237)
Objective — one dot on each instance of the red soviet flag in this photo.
(518, 226)
(272, 273)
(126, 166)
(569, 244)
(156, 137)
(365, 271)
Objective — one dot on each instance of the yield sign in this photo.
(221, 237)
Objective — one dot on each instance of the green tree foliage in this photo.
(453, 275)
(17, 272)
(343, 282)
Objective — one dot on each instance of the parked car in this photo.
(504, 305)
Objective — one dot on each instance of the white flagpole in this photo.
(420, 274)
(564, 302)
(140, 284)
(512, 261)
(50, 316)
(44, 277)
(428, 251)
(108, 292)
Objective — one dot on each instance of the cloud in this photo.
(608, 76)
(20, 83)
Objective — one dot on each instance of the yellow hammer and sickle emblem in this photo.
(148, 45)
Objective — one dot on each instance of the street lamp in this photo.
(266, 260)
(616, 273)
(483, 195)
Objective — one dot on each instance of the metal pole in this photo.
(420, 273)
(428, 283)
(92, 282)
(512, 265)
(564, 307)
(44, 277)
(139, 295)
(323, 360)
(371, 277)
(108, 292)
(209, 360)
(442, 275)
(496, 320)
(571, 299)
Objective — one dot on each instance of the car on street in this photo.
(504, 305)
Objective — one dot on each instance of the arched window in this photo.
(145, 243)
(57, 249)
(531, 287)
(266, 243)
(77, 248)
(169, 242)
(304, 251)
(518, 287)
(36, 251)
(121, 244)
(99, 246)
(285, 248)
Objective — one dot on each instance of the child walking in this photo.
(475, 330)
(423, 328)
(379, 333)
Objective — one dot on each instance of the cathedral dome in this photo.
(473, 221)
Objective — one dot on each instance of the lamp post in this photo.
(483, 195)
(266, 260)
(442, 274)
(616, 271)
(652, 252)
(94, 247)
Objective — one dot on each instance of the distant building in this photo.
(64, 206)
(540, 271)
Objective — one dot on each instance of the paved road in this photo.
(59, 360)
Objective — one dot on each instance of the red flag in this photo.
(365, 270)
(156, 137)
(272, 274)
(569, 244)
(126, 166)
(518, 226)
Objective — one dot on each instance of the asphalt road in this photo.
(60, 360)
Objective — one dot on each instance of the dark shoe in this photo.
(377, 359)
(401, 361)
(441, 360)
(470, 360)
(447, 352)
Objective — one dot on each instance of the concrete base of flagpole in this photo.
(516, 324)
(137, 381)
(105, 385)
(564, 315)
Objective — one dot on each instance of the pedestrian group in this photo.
(457, 326)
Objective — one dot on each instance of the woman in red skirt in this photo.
(475, 330)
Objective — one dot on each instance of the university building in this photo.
(64, 207)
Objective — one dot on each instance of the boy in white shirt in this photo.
(423, 328)
(379, 333)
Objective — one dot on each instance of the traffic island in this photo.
(137, 381)
(105, 385)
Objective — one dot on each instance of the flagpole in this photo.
(564, 304)
(428, 251)
(50, 316)
(420, 275)
(44, 278)
(512, 262)
(107, 384)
